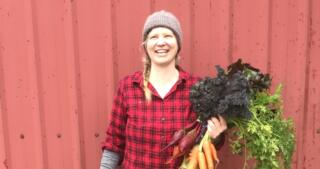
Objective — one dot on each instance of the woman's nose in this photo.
(161, 41)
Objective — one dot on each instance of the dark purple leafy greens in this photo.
(228, 93)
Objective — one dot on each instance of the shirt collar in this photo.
(138, 76)
(183, 75)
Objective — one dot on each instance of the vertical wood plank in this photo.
(95, 75)
(211, 32)
(311, 144)
(4, 141)
(109, 71)
(19, 79)
(250, 32)
(129, 18)
(3, 133)
(278, 41)
(3, 157)
(57, 63)
(296, 66)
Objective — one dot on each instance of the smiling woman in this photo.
(151, 105)
(161, 46)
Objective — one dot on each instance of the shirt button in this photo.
(163, 119)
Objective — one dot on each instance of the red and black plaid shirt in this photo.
(138, 130)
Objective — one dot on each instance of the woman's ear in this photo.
(142, 47)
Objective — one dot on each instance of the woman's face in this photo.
(161, 46)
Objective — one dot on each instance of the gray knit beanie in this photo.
(163, 19)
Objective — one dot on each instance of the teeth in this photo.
(162, 51)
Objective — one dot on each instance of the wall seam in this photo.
(78, 85)
(231, 19)
(270, 26)
(39, 83)
(307, 72)
(114, 43)
(4, 110)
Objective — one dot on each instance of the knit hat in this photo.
(163, 19)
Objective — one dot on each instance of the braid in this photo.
(146, 75)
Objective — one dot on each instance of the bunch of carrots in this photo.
(197, 148)
(202, 156)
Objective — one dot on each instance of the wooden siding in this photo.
(60, 61)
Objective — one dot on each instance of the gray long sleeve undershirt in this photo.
(109, 160)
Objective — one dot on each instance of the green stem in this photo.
(205, 138)
(245, 155)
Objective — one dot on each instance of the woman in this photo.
(151, 105)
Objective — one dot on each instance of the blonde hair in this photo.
(146, 75)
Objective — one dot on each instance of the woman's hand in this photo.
(216, 126)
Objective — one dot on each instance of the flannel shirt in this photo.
(139, 130)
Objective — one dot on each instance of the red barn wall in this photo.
(60, 62)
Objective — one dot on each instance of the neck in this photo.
(163, 75)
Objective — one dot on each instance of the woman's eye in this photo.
(168, 36)
(153, 37)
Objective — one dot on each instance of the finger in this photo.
(223, 122)
(216, 122)
(209, 128)
(220, 126)
(212, 132)
(211, 124)
(212, 129)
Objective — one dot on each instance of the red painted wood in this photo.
(250, 32)
(57, 63)
(211, 36)
(60, 62)
(95, 75)
(19, 96)
(296, 65)
(128, 19)
(311, 145)
(3, 155)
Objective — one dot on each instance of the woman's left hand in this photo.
(216, 126)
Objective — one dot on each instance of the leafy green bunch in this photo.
(241, 95)
(267, 137)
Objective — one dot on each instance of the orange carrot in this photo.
(193, 158)
(214, 153)
(176, 153)
(202, 160)
(207, 151)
